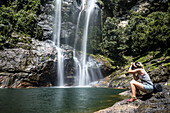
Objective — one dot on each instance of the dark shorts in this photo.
(148, 88)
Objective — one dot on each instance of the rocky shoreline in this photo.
(148, 103)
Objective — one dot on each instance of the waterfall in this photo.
(78, 68)
(57, 23)
(82, 65)
(56, 39)
(86, 71)
(84, 77)
(77, 63)
(83, 4)
(86, 68)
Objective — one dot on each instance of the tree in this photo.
(114, 42)
(148, 33)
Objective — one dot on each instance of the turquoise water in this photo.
(57, 100)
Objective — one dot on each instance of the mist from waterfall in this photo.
(56, 39)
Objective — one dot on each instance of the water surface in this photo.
(57, 100)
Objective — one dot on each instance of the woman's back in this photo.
(145, 79)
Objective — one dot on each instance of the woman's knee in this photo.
(132, 81)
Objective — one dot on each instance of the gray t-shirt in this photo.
(145, 79)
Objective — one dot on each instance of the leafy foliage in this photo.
(146, 31)
(26, 5)
(19, 17)
(6, 20)
(113, 43)
(95, 39)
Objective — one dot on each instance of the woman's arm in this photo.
(135, 77)
(133, 71)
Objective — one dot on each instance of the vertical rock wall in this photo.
(30, 68)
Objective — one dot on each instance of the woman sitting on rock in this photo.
(145, 85)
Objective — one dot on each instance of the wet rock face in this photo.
(46, 19)
(36, 67)
(30, 68)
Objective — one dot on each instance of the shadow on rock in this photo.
(145, 96)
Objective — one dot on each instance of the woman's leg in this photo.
(135, 84)
(137, 91)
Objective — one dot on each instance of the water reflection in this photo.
(56, 100)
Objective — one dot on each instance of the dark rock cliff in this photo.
(34, 64)
(30, 68)
(69, 16)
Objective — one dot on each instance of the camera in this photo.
(127, 74)
(133, 66)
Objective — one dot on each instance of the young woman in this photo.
(146, 85)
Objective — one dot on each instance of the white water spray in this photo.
(57, 23)
(56, 39)
(83, 4)
(77, 63)
(84, 77)
(84, 72)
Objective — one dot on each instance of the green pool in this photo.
(57, 100)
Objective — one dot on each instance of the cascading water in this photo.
(76, 60)
(56, 39)
(81, 64)
(84, 77)
(86, 68)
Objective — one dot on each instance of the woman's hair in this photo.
(138, 65)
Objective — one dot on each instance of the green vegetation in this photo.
(47, 57)
(19, 17)
(145, 38)
(113, 44)
(168, 84)
(108, 62)
(148, 33)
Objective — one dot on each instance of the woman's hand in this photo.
(131, 65)
(133, 71)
